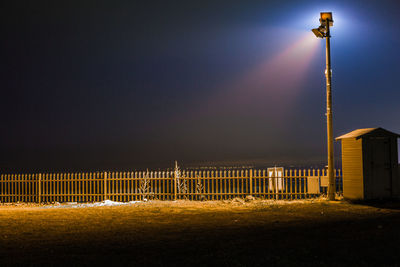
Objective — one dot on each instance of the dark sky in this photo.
(122, 85)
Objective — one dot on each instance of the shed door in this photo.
(381, 167)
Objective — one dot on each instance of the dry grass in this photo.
(235, 232)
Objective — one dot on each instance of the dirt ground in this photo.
(187, 233)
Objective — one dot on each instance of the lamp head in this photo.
(317, 33)
(326, 20)
(320, 32)
(326, 17)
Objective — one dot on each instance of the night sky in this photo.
(124, 85)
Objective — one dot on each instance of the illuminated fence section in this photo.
(163, 185)
(135, 186)
(213, 185)
(71, 187)
(18, 188)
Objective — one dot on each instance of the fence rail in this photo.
(163, 185)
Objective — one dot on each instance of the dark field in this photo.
(183, 233)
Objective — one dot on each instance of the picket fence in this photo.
(162, 185)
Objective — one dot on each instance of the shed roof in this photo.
(359, 133)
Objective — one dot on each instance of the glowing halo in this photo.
(272, 85)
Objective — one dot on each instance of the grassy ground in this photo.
(227, 233)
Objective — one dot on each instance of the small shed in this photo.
(370, 164)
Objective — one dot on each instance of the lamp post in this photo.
(323, 31)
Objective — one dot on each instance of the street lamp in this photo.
(323, 31)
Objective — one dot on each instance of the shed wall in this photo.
(377, 155)
(395, 168)
(352, 164)
(367, 170)
(381, 178)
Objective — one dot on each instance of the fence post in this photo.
(105, 186)
(39, 188)
(176, 173)
(175, 185)
(251, 182)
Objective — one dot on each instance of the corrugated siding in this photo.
(353, 187)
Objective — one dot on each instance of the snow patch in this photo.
(105, 203)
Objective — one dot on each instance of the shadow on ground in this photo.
(393, 204)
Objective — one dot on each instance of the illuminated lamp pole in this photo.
(323, 31)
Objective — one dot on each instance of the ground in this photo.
(184, 233)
